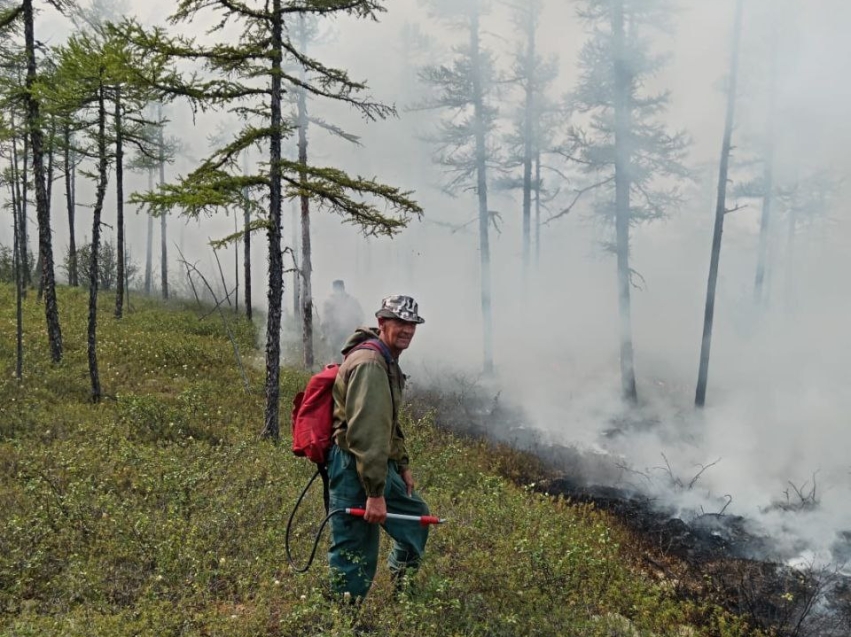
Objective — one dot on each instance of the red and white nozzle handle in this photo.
(424, 520)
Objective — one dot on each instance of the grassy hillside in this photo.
(160, 512)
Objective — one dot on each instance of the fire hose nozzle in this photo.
(424, 520)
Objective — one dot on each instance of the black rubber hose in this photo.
(305, 568)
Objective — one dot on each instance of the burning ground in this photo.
(784, 568)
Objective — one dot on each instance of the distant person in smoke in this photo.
(341, 315)
(368, 466)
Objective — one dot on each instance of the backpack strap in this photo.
(377, 345)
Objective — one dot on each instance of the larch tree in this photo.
(464, 91)
(14, 145)
(152, 152)
(806, 202)
(130, 128)
(720, 210)
(625, 149)
(304, 32)
(13, 103)
(246, 242)
(70, 162)
(80, 90)
(9, 178)
(23, 16)
(19, 294)
(128, 100)
(535, 125)
(760, 290)
(89, 67)
(246, 72)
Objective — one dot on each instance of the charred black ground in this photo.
(715, 555)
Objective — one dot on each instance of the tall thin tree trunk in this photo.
(26, 255)
(120, 286)
(18, 210)
(528, 137)
(537, 207)
(276, 284)
(127, 278)
(720, 211)
(306, 265)
(51, 150)
(764, 228)
(51, 164)
(94, 374)
(623, 153)
(19, 314)
(789, 257)
(306, 287)
(768, 180)
(235, 268)
(296, 230)
(246, 239)
(164, 215)
(482, 191)
(45, 239)
(19, 281)
(70, 206)
(149, 244)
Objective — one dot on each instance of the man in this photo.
(369, 464)
(341, 314)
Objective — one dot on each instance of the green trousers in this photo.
(353, 555)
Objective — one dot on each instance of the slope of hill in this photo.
(161, 512)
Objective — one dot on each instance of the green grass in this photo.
(161, 512)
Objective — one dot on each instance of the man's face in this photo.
(397, 333)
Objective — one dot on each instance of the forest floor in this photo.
(160, 511)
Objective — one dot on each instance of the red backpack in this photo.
(313, 409)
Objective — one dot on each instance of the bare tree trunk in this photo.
(71, 208)
(149, 244)
(51, 164)
(537, 207)
(246, 239)
(51, 149)
(720, 211)
(306, 291)
(482, 191)
(296, 229)
(764, 229)
(24, 205)
(789, 257)
(119, 207)
(94, 375)
(271, 427)
(18, 208)
(306, 265)
(529, 140)
(623, 153)
(45, 239)
(235, 268)
(768, 181)
(19, 314)
(19, 280)
(164, 215)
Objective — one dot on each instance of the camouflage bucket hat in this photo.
(400, 307)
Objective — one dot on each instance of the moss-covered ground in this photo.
(160, 511)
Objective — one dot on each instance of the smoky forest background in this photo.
(626, 219)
